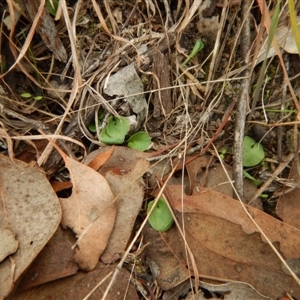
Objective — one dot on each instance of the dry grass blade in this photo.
(77, 81)
(29, 36)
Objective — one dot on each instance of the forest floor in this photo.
(149, 150)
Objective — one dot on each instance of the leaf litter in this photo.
(30, 213)
(224, 243)
(90, 212)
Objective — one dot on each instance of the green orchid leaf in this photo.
(139, 141)
(107, 139)
(161, 218)
(92, 127)
(197, 47)
(117, 127)
(253, 153)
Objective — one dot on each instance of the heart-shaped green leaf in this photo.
(161, 218)
(253, 153)
(115, 130)
(107, 139)
(117, 127)
(139, 141)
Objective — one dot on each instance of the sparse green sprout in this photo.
(52, 6)
(37, 98)
(197, 48)
(161, 218)
(255, 181)
(264, 196)
(92, 126)
(222, 153)
(28, 96)
(253, 153)
(139, 141)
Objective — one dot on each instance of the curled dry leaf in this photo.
(30, 209)
(129, 194)
(90, 212)
(286, 40)
(123, 171)
(225, 243)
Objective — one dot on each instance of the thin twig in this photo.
(279, 169)
(237, 172)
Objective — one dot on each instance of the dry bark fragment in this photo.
(162, 98)
(47, 30)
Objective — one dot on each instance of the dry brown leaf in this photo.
(225, 243)
(101, 159)
(8, 243)
(129, 194)
(55, 261)
(61, 185)
(121, 162)
(234, 291)
(77, 287)
(166, 257)
(95, 164)
(287, 207)
(195, 167)
(219, 205)
(123, 171)
(286, 40)
(90, 212)
(31, 209)
(216, 179)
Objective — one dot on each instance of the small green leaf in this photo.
(92, 127)
(26, 95)
(255, 181)
(107, 139)
(161, 218)
(38, 98)
(197, 47)
(253, 153)
(264, 196)
(139, 141)
(52, 6)
(117, 127)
